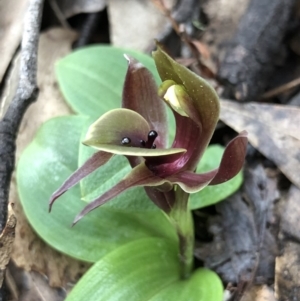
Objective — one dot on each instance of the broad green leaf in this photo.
(44, 165)
(145, 270)
(203, 285)
(216, 193)
(92, 78)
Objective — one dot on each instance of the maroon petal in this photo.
(163, 199)
(232, 160)
(188, 136)
(191, 182)
(140, 95)
(139, 176)
(231, 163)
(97, 160)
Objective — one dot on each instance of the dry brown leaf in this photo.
(30, 252)
(243, 251)
(223, 16)
(70, 8)
(31, 286)
(202, 49)
(40, 290)
(290, 226)
(11, 27)
(259, 293)
(274, 130)
(288, 273)
(141, 19)
(6, 241)
(287, 268)
(265, 293)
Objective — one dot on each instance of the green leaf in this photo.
(44, 165)
(203, 285)
(213, 194)
(92, 78)
(145, 270)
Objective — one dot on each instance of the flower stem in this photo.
(181, 218)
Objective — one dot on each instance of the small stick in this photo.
(178, 28)
(281, 89)
(26, 94)
(59, 14)
(87, 30)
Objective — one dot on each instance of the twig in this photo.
(59, 14)
(281, 89)
(26, 93)
(87, 30)
(175, 19)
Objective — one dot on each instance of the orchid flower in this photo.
(139, 131)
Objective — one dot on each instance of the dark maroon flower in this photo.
(139, 131)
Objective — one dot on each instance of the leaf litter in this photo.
(259, 207)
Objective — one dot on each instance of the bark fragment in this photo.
(251, 55)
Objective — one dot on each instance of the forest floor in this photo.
(249, 51)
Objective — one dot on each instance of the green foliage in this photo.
(132, 241)
(147, 269)
(44, 165)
